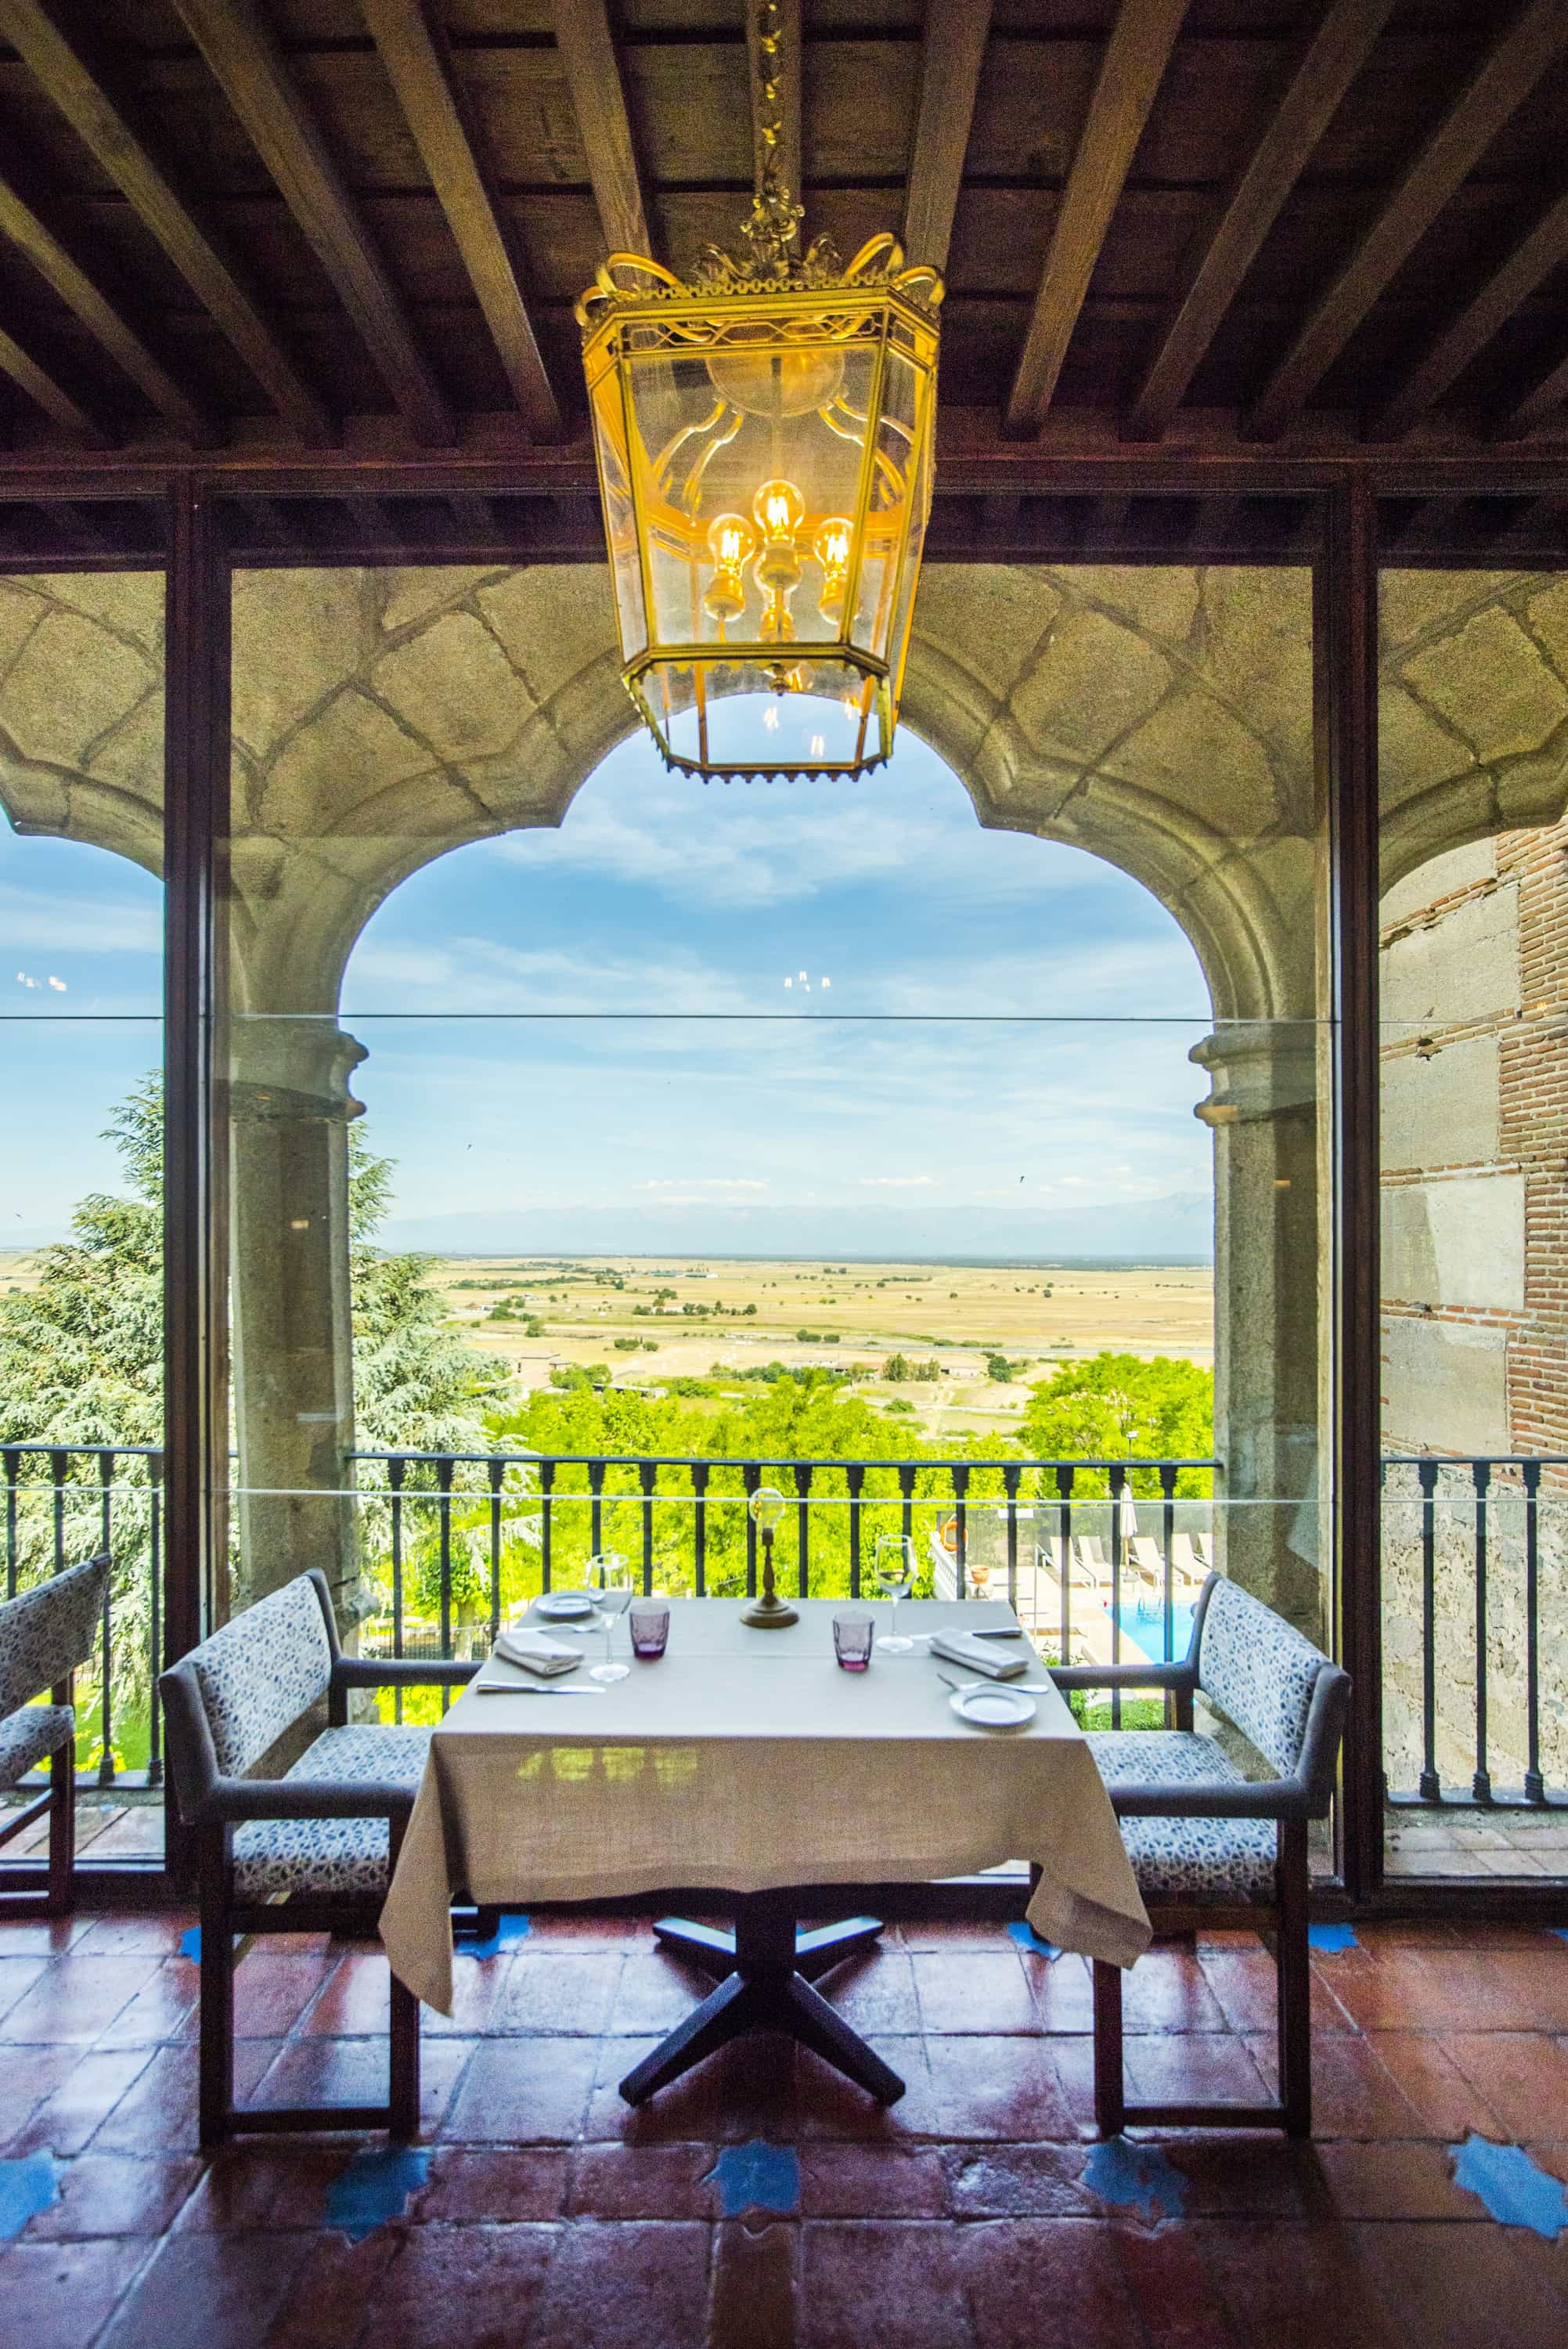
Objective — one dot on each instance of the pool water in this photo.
(1147, 1632)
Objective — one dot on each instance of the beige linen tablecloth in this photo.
(745, 1761)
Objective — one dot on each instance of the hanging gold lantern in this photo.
(764, 440)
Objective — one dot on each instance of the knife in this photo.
(523, 1688)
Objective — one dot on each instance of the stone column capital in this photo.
(1258, 1068)
(289, 1070)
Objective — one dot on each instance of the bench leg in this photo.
(216, 2089)
(1294, 1980)
(1109, 2094)
(404, 2056)
(62, 1830)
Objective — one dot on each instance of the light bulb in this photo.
(731, 542)
(832, 548)
(780, 509)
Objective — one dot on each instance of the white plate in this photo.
(994, 1708)
(562, 1606)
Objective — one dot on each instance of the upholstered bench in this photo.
(311, 1851)
(1212, 1848)
(44, 1633)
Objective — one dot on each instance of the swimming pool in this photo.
(1147, 1632)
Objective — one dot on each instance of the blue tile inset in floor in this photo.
(1516, 2190)
(758, 2175)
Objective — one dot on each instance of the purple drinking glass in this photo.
(650, 1621)
(852, 1641)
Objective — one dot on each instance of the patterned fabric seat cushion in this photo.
(27, 1737)
(327, 1857)
(1186, 1859)
(1259, 1670)
(261, 1672)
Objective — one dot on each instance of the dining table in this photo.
(744, 1763)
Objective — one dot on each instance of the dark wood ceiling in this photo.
(317, 230)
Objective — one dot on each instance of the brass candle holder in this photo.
(769, 1612)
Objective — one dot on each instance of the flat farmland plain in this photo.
(648, 1320)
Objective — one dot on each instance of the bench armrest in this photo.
(238, 1799)
(1124, 1676)
(399, 1671)
(1267, 1798)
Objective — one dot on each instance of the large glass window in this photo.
(81, 1057)
(1474, 977)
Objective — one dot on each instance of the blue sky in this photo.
(876, 1114)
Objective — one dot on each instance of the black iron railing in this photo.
(64, 1502)
(1044, 1517)
(1479, 1610)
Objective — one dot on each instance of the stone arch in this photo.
(1472, 709)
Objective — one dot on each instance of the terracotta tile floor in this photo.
(762, 2202)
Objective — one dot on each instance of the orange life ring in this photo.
(947, 1535)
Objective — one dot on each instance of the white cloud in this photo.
(897, 1182)
(53, 925)
(763, 844)
(701, 1183)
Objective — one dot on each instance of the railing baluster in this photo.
(751, 1479)
(496, 1472)
(155, 1629)
(1065, 1537)
(106, 1687)
(596, 1511)
(802, 1528)
(1117, 1487)
(444, 1467)
(12, 1462)
(1534, 1785)
(1011, 1473)
(1167, 1536)
(395, 1468)
(1481, 1785)
(699, 1530)
(647, 1473)
(906, 1473)
(59, 1468)
(855, 1479)
(546, 1521)
(1430, 1784)
(961, 1529)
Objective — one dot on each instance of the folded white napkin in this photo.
(536, 1652)
(978, 1656)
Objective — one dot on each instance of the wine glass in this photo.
(894, 1567)
(610, 1578)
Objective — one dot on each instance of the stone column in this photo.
(1270, 1264)
(293, 1341)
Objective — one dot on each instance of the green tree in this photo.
(1119, 1406)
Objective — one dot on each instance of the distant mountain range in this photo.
(1162, 1231)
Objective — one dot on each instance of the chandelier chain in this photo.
(773, 230)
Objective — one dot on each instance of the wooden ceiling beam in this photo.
(1489, 310)
(951, 56)
(62, 73)
(1325, 70)
(25, 230)
(592, 73)
(249, 68)
(1129, 74)
(46, 394)
(430, 104)
(1510, 71)
(787, 82)
(1542, 405)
